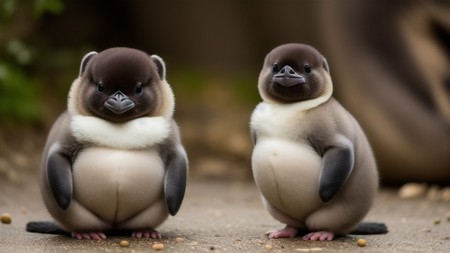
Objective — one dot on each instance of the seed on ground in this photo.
(6, 218)
(412, 190)
(437, 221)
(158, 246)
(124, 243)
(268, 247)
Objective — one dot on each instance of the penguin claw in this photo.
(146, 234)
(287, 232)
(319, 236)
(89, 236)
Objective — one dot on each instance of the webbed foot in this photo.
(319, 236)
(146, 234)
(287, 232)
(89, 235)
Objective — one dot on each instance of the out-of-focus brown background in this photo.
(390, 62)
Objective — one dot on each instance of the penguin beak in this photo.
(288, 77)
(119, 103)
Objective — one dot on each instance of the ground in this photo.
(227, 216)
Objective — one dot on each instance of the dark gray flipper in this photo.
(175, 181)
(370, 228)
(337, 165)
(45, 227)
(59, 175)
(48, 227)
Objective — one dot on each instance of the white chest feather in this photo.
(121, 173)
(286, 168)
(135, 134)
(273, 120)
(287, 175)
(118, 184)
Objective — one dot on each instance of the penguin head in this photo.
(121, 84)
(294, 73)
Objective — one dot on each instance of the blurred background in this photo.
(390, 62)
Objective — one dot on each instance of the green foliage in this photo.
(7, 8)
(19, 84)
(246, 89)
(50, 6)
(17, 94)
(187, 81)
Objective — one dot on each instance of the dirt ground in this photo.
(227, 216)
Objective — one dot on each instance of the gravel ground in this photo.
(227, 216)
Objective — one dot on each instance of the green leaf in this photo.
(7, 8)
(18, 98)
(50, 6)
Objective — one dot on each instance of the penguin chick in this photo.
(311, 162)
(114, 161)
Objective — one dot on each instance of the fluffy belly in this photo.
(117, 184)
(287, 174)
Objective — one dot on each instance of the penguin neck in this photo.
(138, 133)
(295, 108)
(302, 106)
(283, 120)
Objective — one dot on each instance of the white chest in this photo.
(278, 121)
(117, 184)
(286, 168)
(138, 133)
(287, 174)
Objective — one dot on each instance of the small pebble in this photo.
(361, 242)
(158, 246)
(412, 190)
(124, 243)
(6, 218)
(268, 247)
(179, 239)
(437, 221)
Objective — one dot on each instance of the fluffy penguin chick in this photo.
(311, 161)
(114, 161)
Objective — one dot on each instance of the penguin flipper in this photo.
(59, 175)
(45, 227)
(369, 228)
(175, 180)
(337, 165)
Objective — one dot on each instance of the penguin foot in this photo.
(89, 236)
(319, 236)
(146, 234)
(287, 232)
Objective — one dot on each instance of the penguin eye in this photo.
(100, 87)
(139, 88)
(275, 68)
(307, 68)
